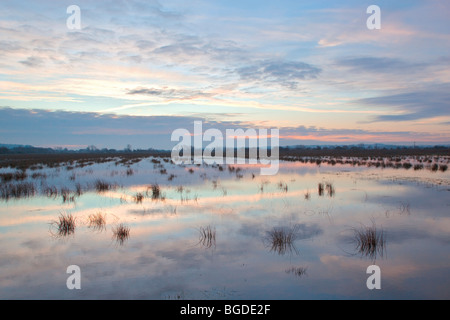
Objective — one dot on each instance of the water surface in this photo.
(166, 257)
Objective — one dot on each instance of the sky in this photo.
(137, 70)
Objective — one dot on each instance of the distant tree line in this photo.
(344, 150)
(89, 149)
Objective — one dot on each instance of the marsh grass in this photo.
(102, 186)
(78, 190)
(13, 176)
(64, 226)
(320, 189)
(129, 172)
(121, 233)
(297, 271)
(66, 195)
(138, 197)
(207, 236)
(51, 192)
(38, 175)
(330, 189)
(156, 193)
(307, 195)
(97, 221)
(17, 190)
(281, 239)
(282, 186)
(370, 242)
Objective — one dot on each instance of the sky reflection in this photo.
(161, 257)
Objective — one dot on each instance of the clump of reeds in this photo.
(298, 271)
(97, 221)
(121, 233)
(102, 186)
(129, 172)
(38, 175)
(307, 195)
(330, 189)
(16, 176)
(17, 190)
(66, 195)
(407, 165)
(370, 242)
(281, 239)
(156, 192)
(65, 225)
(50, 191)
(207, 236)
(320, 189)
(78, 190)
(282, 186)
(138, 197)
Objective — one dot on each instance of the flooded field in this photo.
(149, 229)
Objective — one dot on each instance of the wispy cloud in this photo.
(416, 105)
(288, 74)
(380, 64)
(32, 62)
(167, 93)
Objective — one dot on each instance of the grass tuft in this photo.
(64, 226)
(138, 197)
(121, 233)
(370, 241)
(97, 221)
(281, 239)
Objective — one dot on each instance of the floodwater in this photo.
(222, 234)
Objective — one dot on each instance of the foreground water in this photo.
(212, 234)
